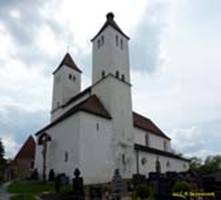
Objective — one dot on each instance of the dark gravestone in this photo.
(138, 179)
(58, 183)
(78, 185)
(51, 175)
(118, 186)
(95, 192)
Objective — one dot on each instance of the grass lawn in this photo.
(26, 190)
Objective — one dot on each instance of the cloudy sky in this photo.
(174, 54)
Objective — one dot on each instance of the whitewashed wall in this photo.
(175, 164)
(96, 161)
(65, 138)
(110, 57)
(116, 97)
(155, 141)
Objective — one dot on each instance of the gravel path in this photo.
(3, 194)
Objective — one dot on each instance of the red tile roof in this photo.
(27, 151)
(139, 147)
(91, 105)
(68, 61)
(146, 124)
(110, 21)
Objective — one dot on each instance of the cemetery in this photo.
(158, 186)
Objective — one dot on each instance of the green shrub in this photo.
(181, 186)
(144, 191)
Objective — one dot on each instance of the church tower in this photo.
(112, 77)
(110, 52)
(66, 84)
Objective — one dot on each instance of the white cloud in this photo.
(182, 91)
(10, 144)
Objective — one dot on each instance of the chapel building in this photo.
(96, 129)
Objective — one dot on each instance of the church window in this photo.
(117, 74)
(103, 74)
(66, 156)
(74, 78)
(121, 43)
(102, 40)
(98, 43)
(117, 40)
(97, 126)
(122, 77)
(70, 76)
(143, 161)
(168, 164)
(165, 145)
(123, 159)
(147, 140)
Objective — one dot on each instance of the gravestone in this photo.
(51, 175)
(138, 179)
(95, 192)
(118, 186)
(78, 185)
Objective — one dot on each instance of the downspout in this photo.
(137, 160)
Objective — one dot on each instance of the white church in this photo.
(96, 129)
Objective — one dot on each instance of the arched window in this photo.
(121, 43)
(70, 76)
(66, 156)
(123, 159)
(117, 40)
(97, 126)
(168, 164)
(165, 145)
(117, 74)
(122, 77)
(98, 43)
(103, 74)
(102, 40)
(147, 139)
(74, 78)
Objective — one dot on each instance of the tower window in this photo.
(147, 140)
(70, 76)
(102, 40)
(98, 44)
(117, 40)
(103, 74)
(74, 78)
(117, 74)
(122, 77)
(121, 43)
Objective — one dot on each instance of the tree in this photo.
(2, 150)
(210, 165)
(195, 163)
(2, 160)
